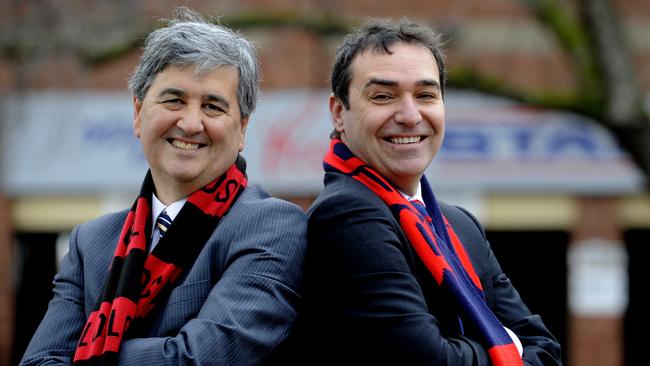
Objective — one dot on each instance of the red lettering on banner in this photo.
(285, 152)
(287, 145)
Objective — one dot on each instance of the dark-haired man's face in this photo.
(396, 118)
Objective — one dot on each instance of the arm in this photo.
(252, 306)
(56, 338)
(381, 308)
(539, 345)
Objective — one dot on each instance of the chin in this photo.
(410, 169)
(184, 175)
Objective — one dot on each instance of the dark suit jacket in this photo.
(234, 306)
(370, 299)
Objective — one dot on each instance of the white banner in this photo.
(82, 142)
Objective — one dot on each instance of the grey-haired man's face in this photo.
(190, 127)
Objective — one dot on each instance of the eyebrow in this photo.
(181, 93)
(172, 91)
(386, 82)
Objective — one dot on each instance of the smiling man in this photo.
(394, 276)
(204, 268)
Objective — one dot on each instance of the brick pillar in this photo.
(6, 282)
(598, 285)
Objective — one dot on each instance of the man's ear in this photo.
(242, 130)
(336, 111)
(137, 106)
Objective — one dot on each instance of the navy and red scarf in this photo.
(138, 281)
(439, 248)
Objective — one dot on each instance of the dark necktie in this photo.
(163, 223)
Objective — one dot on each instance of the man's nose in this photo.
(408, 112)
(191, 120)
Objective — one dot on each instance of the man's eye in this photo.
(432, 96)
(173, 101)
(213, 107)
(381, 97)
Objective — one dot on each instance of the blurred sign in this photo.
(59, 142)
(598, 278)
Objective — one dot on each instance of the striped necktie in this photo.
(163, 223)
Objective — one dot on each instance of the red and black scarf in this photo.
(137, 282)
(439, 248)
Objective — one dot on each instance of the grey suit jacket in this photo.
(234, 306)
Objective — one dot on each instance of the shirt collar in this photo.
(157, 207)
(416, 196)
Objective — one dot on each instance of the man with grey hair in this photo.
(204, 268)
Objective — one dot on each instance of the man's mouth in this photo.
(184, 145)
(405, 140)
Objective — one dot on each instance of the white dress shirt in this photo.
(156, 208)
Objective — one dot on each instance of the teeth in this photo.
(405, 140)
(184, 145)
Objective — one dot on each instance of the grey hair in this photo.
(190, 40)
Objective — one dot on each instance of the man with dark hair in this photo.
(394, 276)
(204, 268)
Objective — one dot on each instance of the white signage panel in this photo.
(82, 142)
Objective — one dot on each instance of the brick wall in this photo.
(497, 37)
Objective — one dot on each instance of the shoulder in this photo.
(257, 217)
(462, 220)
(344, 195)
(104, 228)
(256, 204)
(347, 216)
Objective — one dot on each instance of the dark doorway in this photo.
(535, 262)
(36, 264)
(637, 319)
